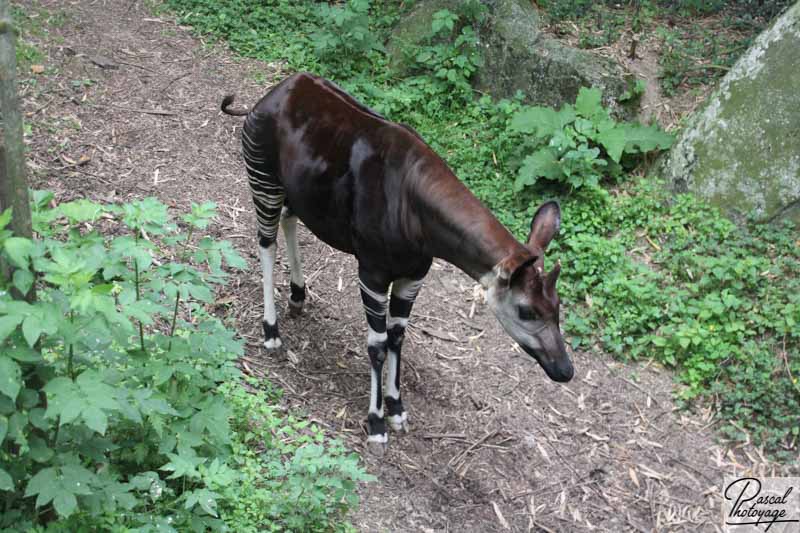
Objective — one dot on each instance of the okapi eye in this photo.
(526, 313)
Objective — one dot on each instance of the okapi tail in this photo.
(226, 102)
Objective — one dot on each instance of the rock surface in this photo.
(742, 150)
(519, 57)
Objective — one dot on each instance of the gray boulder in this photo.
(519, 57)
(742, 150)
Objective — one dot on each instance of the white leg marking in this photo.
(398, 422)
(393, 321)
(273, 344)
(381, 299)
(381, 438)
(406, 289)
(267, 266)
(374, 394)
(391, 376)
(373, 337)
(289, 225)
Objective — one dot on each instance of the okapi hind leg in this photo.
(297, 284)
(268, 196)
(374, 298)
(272, 339)
(404, 293)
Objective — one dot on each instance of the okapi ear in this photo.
(511, 266)
(544, 226)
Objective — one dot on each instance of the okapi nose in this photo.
(561, 371)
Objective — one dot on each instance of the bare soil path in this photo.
(128, 107)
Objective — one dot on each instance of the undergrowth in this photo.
(121, 408)
(646, 274)
(699, 40)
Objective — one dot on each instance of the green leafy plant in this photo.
(345, 30)
(110, 411)
(579, 144)
(451, 52)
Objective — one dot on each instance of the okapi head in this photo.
(525, 301)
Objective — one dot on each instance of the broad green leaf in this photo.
(39, 452)
(3, 427)
(38, 419)
(206, 499)
(22, 280)
(6, 483)
(5, 218)
(10, 377)
(231, 256)
(28, 398)
(32, 328)
(163, 372)
(541, 163)
(8, 324)
(613, 140)
(43, 480)
(77, 479)
(65, 503)
(96, 419)
(543, 122)
(80, 210)
(18, 250)
(72, 409)
(183, 465)
(645, 138)
(588, 102)
(200, 292)
(40, 199)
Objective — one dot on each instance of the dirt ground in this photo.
(128, 107)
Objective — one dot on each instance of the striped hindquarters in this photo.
(268, 192)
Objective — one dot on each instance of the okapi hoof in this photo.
(272, 337)
(295, 309)
(297, 298)
(378, 444)
(398, 423)
(273, 344)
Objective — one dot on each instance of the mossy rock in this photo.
(742, 150)
(519, 57)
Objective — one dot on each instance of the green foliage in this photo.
(450, 53)
(345, 31)
(119, 384)
(634, 91)
(578, 145)
(700, 39)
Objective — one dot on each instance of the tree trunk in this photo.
(13, 183)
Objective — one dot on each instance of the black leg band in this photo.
(270, 330)
(376, 425)
(394, 406)
(298, 293)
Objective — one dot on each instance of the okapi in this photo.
(372, 188)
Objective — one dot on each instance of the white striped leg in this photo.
(297, 284)
(404, 293)
(272, 339)
(268, 195)
(375, 300)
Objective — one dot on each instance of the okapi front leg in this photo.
(374, 298)
(404, 292)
